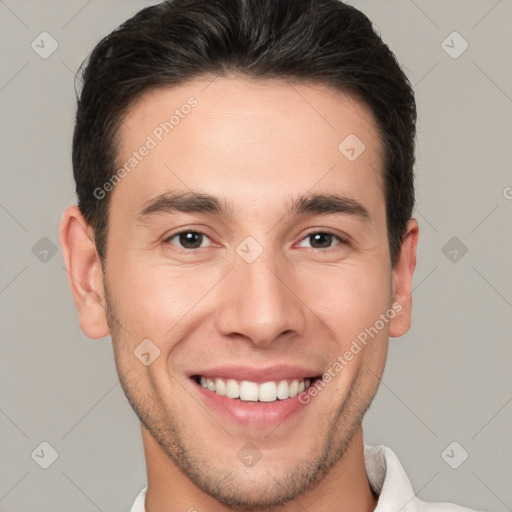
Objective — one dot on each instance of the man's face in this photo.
(270, 290)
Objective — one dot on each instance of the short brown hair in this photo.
(322, 41)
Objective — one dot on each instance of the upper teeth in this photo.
(252, 391)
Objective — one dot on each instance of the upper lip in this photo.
(253, 374)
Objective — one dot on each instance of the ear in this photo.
(402, 275)
(84, 272)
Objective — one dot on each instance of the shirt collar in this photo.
(388, 480)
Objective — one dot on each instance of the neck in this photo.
(344, 488)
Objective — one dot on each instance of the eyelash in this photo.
(308, 235)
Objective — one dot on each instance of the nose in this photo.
(258, 303)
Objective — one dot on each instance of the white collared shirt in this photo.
(387, 479)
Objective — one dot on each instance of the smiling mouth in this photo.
(248, 391)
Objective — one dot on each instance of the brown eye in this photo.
(320, 240)
(188, 239)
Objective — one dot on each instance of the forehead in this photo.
(249, 140)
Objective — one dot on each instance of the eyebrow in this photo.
(193, 202)
(329, 204)
(188, 202)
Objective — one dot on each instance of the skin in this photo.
(256, 146)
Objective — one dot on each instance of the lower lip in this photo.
(251, 414)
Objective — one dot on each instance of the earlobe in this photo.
(84, 272)
(402, 275)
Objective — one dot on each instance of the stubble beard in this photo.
(223, 484)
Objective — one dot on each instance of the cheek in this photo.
(156, 300)
(151, 302)
(349, 298)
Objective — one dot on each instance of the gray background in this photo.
(448, 380)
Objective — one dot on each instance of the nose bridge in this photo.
(257, 302)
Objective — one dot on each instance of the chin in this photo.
(251, 490)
